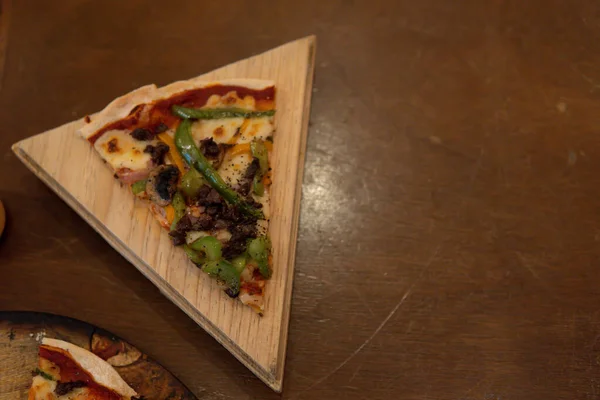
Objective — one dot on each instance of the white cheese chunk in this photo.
(232, 130)
(120, 150)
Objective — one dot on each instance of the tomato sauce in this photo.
(70, 371)
(160, 111)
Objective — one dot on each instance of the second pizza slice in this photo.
(199, 153)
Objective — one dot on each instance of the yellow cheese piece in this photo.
(174, 155)
(170, 213)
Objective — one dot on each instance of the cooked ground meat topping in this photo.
(177, 237)
(143, 134)
(240, 234)
(63, 388)
(216, 214)
(157, 153)
(245, 184)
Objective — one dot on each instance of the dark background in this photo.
(450, 221)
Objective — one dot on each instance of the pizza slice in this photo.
(69, 372)
(199, 153)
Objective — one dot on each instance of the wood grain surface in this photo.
(2, 218)
(22, 332)
(449, 225)
(70, 166)
(5, 13)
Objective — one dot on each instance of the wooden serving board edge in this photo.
(296, 215)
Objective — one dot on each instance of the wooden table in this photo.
(450, 220)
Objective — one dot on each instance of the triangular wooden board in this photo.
(68, 165)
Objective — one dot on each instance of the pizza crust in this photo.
(198, 83)
(118, 109)
(121, 107)
(102, 372)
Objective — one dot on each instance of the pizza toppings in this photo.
(247, 181)
(259, 152)
(63, 388)
(186, 146)
(127, 175)
(43, 374)
(225, 273)
(218, 113)
(162, 184)
(191, 183)
(201, 158)
(143, 134)
(69, 369)
(213, 151)
(72, 374)
(66, 371)
(112, 146)
(258, 249)
(139, 187)
(209, 148)
(241, 233)
(160, 128)
(173, 156)
(157, 152)
(208, 246)
(179, 207)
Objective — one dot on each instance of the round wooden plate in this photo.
(21, 332)
(2, 218)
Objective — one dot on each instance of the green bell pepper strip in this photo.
(218, 113)
(139, 187)
(258, 249)
(178, 203)
(43, 374)
(239, 263)
(258, 187)
(190, 152)
(192, 255)
(259, 151)
(191, 182)
(208, 245)
(225, 272)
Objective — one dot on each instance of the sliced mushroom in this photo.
(162, 184)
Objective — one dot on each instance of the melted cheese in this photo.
(263, 224)
(233, 131)
(42, 389)
(232, 169)
(192, 236)
(258, 128)
(231, 99)
(120, 150)
(226, 130)
(221, 130)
